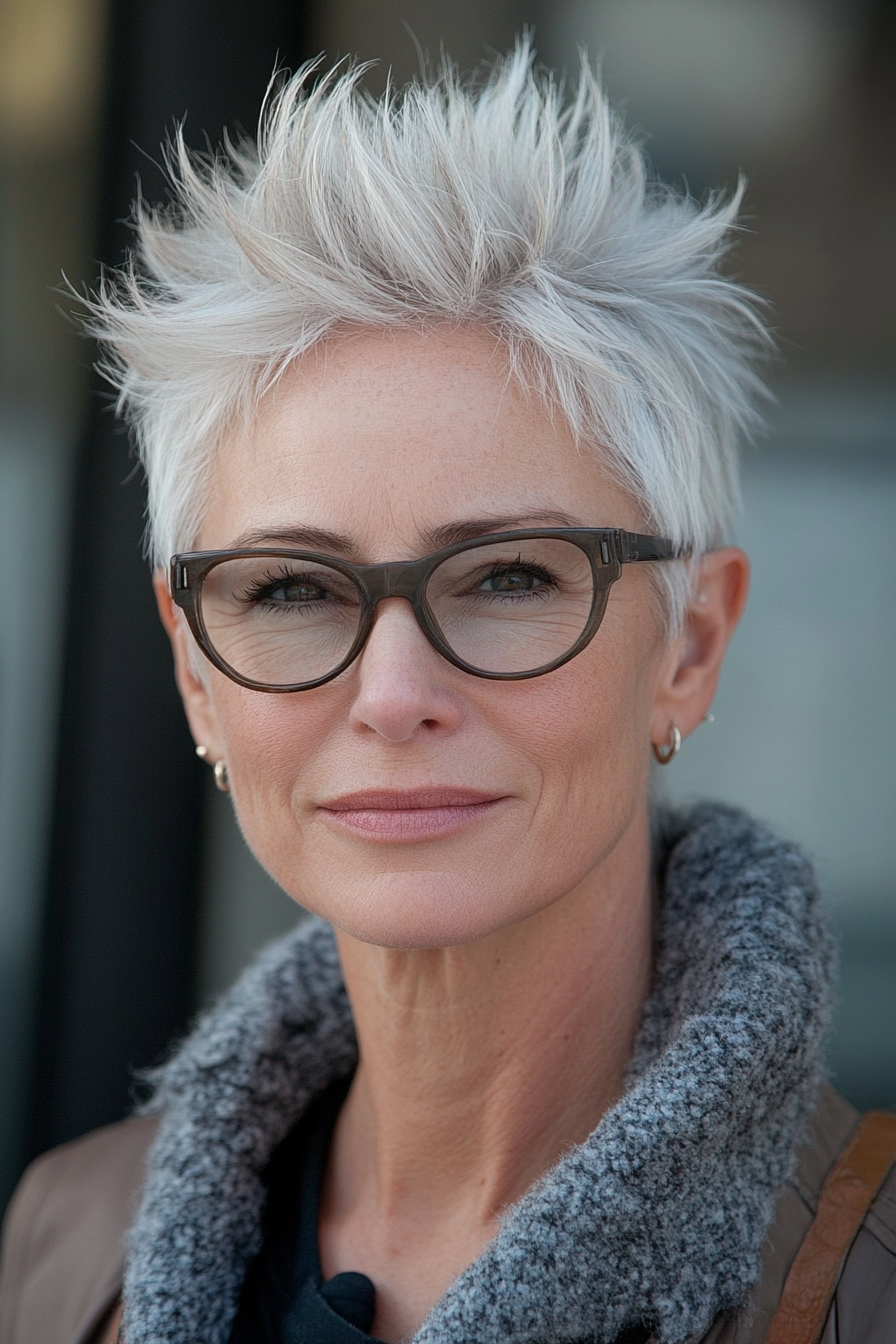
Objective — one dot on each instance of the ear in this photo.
(689, 671)
(194, 692)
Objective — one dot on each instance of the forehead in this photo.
(386, 436)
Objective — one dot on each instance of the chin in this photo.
(418, 910)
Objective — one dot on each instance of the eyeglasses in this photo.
(506, 606)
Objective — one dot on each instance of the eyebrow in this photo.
(336, 543)
(304, 538)
(471, 528)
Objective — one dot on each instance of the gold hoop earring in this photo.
(666, 751)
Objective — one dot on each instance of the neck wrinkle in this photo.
(500, 1055)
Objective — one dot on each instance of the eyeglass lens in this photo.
(505, 608)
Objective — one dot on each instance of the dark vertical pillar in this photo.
(121, 908)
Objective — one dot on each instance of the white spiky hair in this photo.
(497, 202)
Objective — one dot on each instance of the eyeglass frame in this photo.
(607, 550)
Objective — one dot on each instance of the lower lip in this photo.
(409, 824)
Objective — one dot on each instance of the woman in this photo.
(438, 400)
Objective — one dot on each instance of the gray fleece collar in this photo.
(658, 1217)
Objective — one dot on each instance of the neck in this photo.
(479, 1067)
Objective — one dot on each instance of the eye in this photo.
(296, 590)
(516, 578)
(288, 588)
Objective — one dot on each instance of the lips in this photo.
(409, 815)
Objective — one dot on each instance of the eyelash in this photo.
(502, 567)
(261, 587)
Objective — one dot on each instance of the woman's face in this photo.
(384, 440)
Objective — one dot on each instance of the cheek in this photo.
(268, 742)
(590, 732)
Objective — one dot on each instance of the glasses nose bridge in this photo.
(397, 578)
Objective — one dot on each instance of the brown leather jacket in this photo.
(63, 1246)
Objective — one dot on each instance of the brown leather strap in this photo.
(846, 1196)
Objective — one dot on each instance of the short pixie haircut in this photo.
(498, 201)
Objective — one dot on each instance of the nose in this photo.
(404, 687)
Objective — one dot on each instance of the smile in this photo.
(408, 816)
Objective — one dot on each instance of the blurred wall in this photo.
(400, 35)
(51, 54)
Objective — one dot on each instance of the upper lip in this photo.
(400, 800)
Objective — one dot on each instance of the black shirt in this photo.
(284, 1299)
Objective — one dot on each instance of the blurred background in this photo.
(127, 897)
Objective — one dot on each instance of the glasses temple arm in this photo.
(634, 546)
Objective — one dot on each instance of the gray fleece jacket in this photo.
(657, 1217)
